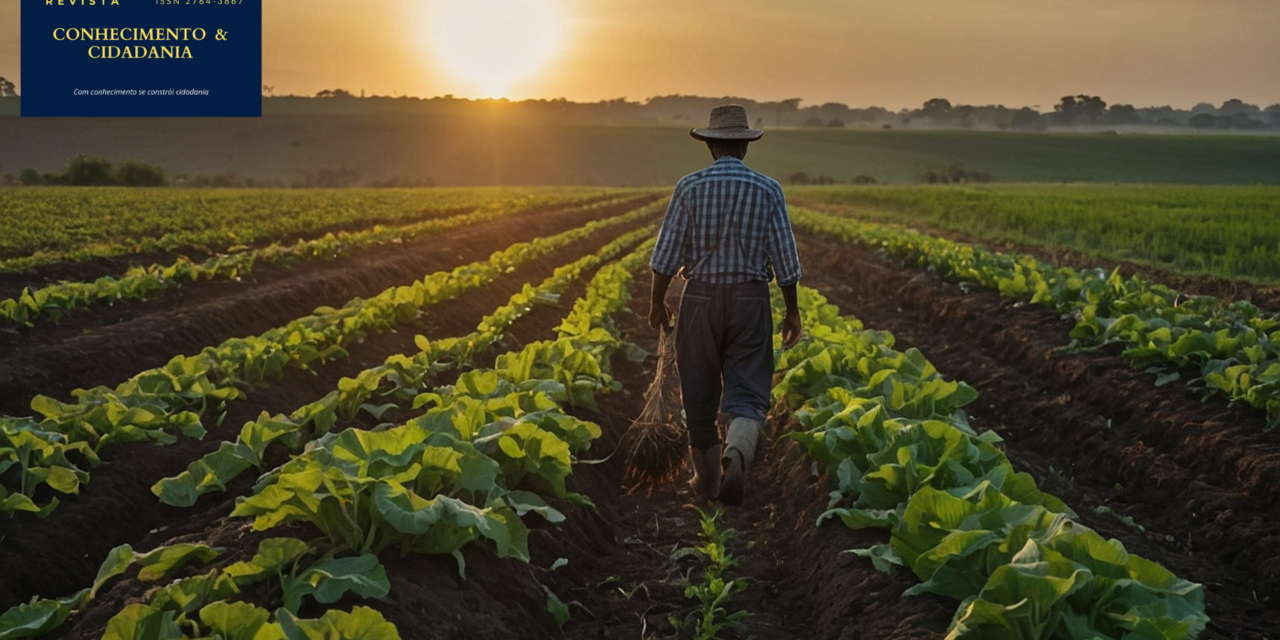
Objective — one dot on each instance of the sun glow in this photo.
(494, 44)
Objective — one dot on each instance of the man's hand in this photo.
(791, 329)
(659, 317)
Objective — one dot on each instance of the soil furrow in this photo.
(55, 557)
(624, 585)
(1202, 479)
(498, 599)
(11, 284)
(111, 344)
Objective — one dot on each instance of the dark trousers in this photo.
(724, 350)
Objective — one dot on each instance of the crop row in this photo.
(1234, 347)
(47, 225)
(482, 454)
(138, 283)
(894, 440)
(399, 379)
(56, 448)
(1227, 231)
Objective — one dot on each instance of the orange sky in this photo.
(861, 52)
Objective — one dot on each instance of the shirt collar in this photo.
(728, 159)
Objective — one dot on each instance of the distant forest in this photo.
(1078, 111)
(1071, 112)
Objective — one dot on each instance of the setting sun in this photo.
(494, 43)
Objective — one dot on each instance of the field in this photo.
(1231, 233)
(297, 141)
(325, 430)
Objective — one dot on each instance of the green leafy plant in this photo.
(1230, 344)
(157, 402)
(715, 586)
(902, 456)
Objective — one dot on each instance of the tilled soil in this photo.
(60, 555)
(12, 284)
(623, 583)
(110, 344)
(1200, 481)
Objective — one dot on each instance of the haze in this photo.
(882, 52)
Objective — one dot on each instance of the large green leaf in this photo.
(273, 556)
(1023, 600)
(39, 617)
(328, 580)
(143, 622)
(240, 621)
(163, 562)
(362, 623)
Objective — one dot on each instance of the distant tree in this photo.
(813, 122)
(863, 179)
(85, 170)
(1236, 105)
(268, 90)
(1275, 108)
(835, 123)
(30, 177)
(1203, 120)
(1241, 120)
(334, 93)
(132, 173)
(1123, 114)
(799, 178)
(1205, 107)
(1081, 108)
(963, 115)
(7, 88)
(936, 109)
(1026, 118)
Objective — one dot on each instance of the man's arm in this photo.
(659, 316)
(791, 327)
(786, 262)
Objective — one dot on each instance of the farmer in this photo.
(726, 232)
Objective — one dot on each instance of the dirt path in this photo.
(1202, 479)
(622, 580)
(59, 555)
(108, 345)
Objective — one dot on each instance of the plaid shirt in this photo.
(727, 224)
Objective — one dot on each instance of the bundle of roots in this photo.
(655, 444)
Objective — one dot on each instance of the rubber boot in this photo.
(705, 484)
(740, 451)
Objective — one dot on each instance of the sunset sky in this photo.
(861, 52)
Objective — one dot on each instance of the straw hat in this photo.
(728, 122)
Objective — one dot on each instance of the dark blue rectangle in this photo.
(142, 58)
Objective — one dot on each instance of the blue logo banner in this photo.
(142, 58)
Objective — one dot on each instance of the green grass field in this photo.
(1228, 232)
(505, 149)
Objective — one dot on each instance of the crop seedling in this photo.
(715, 586)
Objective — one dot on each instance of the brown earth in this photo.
(1201, 478)
(110, 344)
(12, 284)
(619, 580)
(54, 556)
